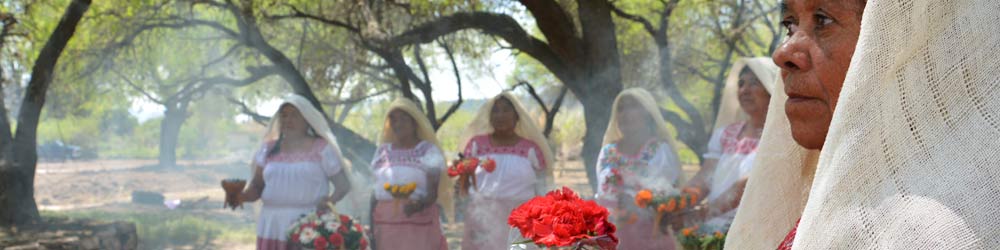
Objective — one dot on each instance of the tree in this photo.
(17, 152)
(581, 52)
(174, 83)
(238, 23)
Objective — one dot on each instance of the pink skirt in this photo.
(420, 231)
(486, 224)
(641, 235)
(271, 244)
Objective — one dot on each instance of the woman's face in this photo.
(503, 117)
(292, 121)
(754, 98)
(402, 125)
(632, 118)
(814, 59)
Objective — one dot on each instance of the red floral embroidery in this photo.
(787, 243)
(313, 155)
(484, 147)
(732, 144)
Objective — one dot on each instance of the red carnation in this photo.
(364, 243)
(471, 164)
(320, 243)
(561, 218)
(342, 229)
(489, 165)
(336, 239)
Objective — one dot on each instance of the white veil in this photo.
(912, 158)
(729, 106)
(778, 185)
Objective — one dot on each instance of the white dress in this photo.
(735, 158)
(294, 184)
(496, 194)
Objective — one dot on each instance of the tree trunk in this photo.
(170, 130)
(601, 78)
(597, 113)
(17, 177)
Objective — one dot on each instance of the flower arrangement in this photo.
(400, 193)
(693, 239)
(327, 231)
(664, 203)
(465, 169)
(561, 220)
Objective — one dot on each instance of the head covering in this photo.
(729, 107)
(316, 120)
(426, 133)
(648, 103)
(778, 184)
(526, 128)
(912, 154)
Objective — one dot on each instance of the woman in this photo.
(911, 154)
(637, 154)
(409, 152)
(502, 131)
(733, 146)
(293, 169)
(813, 60)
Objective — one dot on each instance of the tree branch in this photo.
(357, 99)
(296, 13)
(557, 26)
(494, 24)
(137, 88)
(260, 119)
(635, 18)
(458, 80)
(550, 118)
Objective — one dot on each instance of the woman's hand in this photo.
(324, 204)
(413, 207)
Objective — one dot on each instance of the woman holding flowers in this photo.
(408, 166)
(733, 146)
(503, 133)
(637, 155)
(292, 171)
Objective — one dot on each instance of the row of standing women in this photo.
(299, 157)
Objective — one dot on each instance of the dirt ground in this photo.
(107, 186)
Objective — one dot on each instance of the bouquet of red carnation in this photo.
(465, 169)
(560, 219)
(327, 231)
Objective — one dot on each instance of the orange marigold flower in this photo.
(672, 205)
(662, 208)
(718, 235)
(687, 231)
(683, 204)
(643, 198)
